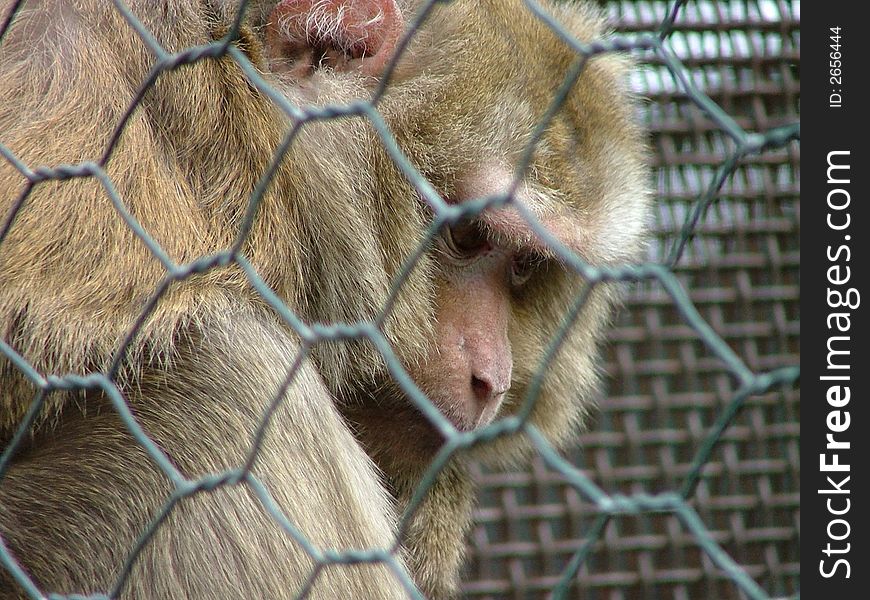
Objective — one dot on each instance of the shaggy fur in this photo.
(344, 447)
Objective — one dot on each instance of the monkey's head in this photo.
(479, 317)
(503, 294)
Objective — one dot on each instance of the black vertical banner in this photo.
(835, 345)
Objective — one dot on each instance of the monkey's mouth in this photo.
(469, 414)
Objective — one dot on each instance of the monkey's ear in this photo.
(304, 36)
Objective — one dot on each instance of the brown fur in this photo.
(332, 231)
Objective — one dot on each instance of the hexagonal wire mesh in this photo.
(695, 449)
(665, 389)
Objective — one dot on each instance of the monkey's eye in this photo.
(465, 240)
(523, 266)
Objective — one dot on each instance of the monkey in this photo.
(205, 362)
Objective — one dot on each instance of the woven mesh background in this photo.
(664, 389)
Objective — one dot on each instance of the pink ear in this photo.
(356, 35)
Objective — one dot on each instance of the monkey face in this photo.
(564, 169)
(474, 321)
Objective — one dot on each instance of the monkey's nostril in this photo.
(482, 390)
(486, 400)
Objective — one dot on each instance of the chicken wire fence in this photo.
(686, 484)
